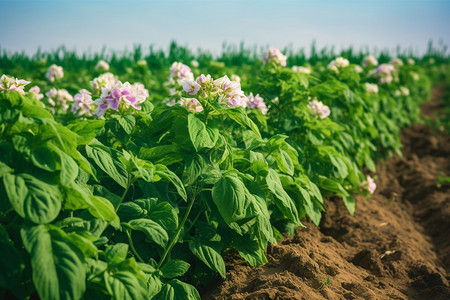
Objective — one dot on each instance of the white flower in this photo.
(369, 184)
(396, 62)
(404, 91)
(191, 87)
(371, 88)
(235, 77)
(101, 81)
(301, 69)
(411, 61)
(358, 69)
(142, 63)
(191, 104)
(59, 98)
(415, 76)
(369, 61)
(12, 84)
(203, 79)
(338, 62)
(194, 63)
(54, 72)
(102, 65)
(318, 109)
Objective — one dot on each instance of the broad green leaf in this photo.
(165, 215)
(127, 122)
(174, 268)
(152, 230)
(239, 116)
(117, 253)
(163, 154)
(208, 256)
(69, 169)
(58, 267)
(282, 200)
(229, 195)
(87, 129)
(201, 136)
(46, 157)
(177, 290)
(33, 199)
(249, 249)
(284, 161)
(130, 210)
(4, 169)
(124, 285)
(168, 175)
(106, 159)
(103, 209)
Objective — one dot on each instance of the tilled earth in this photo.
(395, 246)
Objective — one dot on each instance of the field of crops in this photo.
(132, 176)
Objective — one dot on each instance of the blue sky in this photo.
(90, 25)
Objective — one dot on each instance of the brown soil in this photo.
(395, 246)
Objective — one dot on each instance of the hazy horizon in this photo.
(89, 26)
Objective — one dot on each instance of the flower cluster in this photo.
(102, 65)
(397, 62)
(180, 72)
(191, 104)
(301, 69)
(337, 63)
(274, 55)
(256, 102)
(369, 61)
(12, 84)
(58, 99)
(371, 88)
(385, 73)
(318, 109)
(54, 72)
(82, 103)
(101, 81)
(35, 93)
(116, 94)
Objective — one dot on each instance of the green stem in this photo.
(177, 234)
(195, 219)
(129, 184)
(130, 241)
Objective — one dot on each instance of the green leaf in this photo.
(117, 253)
(282, 200)
(87, 129)
(124, 285)
(170, 176)
(239, 116)
(103, 209)
(177, 290)
(229, 195)
(250, 250)
(201, 136)
(33, 199)
(349, 202)
(106, 159)
(208, 256)
(127, 122)
(69, 169)
(165, 215)
(284, 161)
(4, 169)
(152, 230)
(163, 154)
(174, 268)
(58, 267)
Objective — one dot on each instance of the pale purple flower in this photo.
(203, 79)
(54, 72)
(191, 87)
(102, 65)
(35, 93)
(318, 109)
(275, 55)
(385, 73)
(82, 103)
(180, 72)
(12, 84)
(256, 102)
(370, 184)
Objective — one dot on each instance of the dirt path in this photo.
(396, 246)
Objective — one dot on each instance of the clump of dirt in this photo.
(395, 246)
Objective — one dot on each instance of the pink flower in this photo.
(275, 55)
(82, 102)
(318, 109)
(256, 102)
(54, 72)
(12, 84)
(192, 104)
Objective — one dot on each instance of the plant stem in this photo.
(130, 241)
(177, 234)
